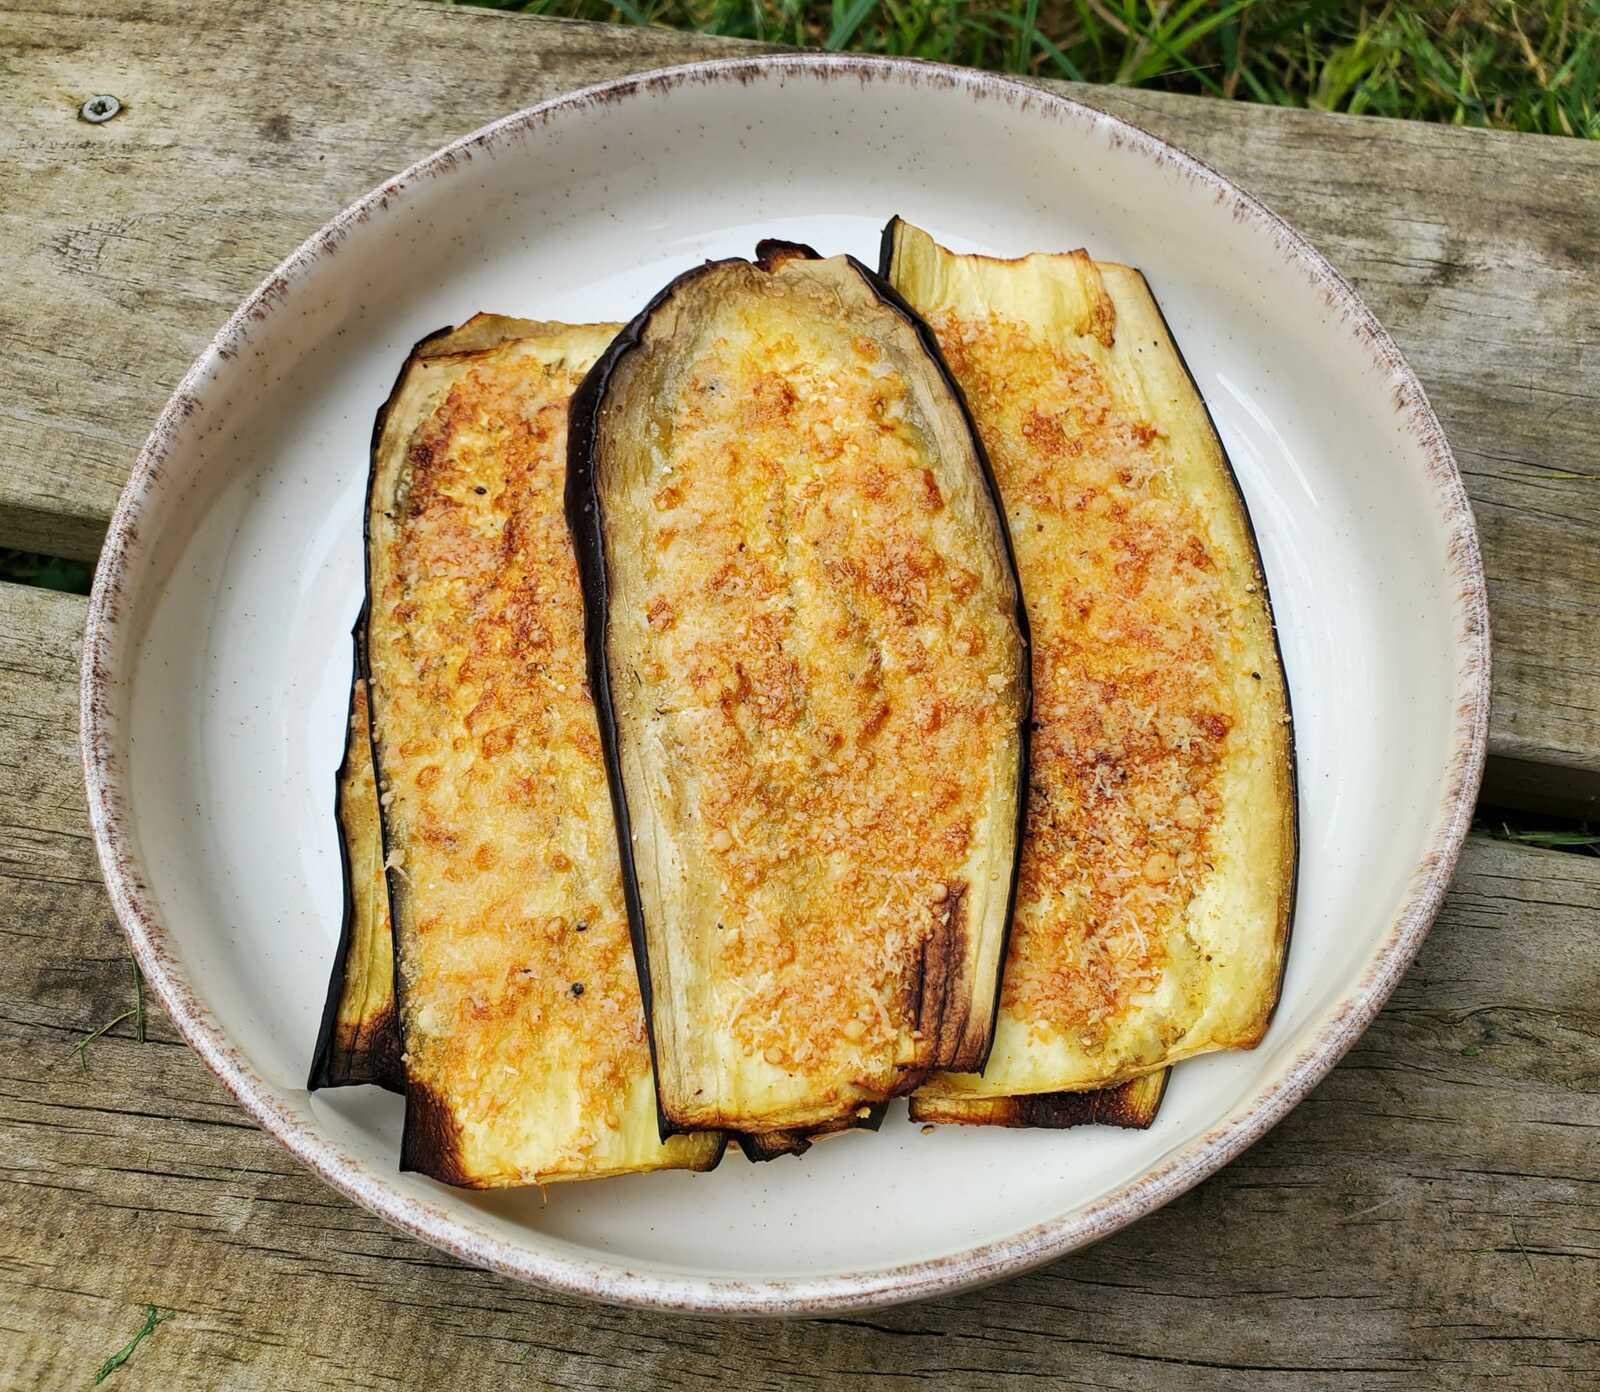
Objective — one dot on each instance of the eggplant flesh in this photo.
(526, 1059)
(1158, 867)
(809, 657)
(360, 1037)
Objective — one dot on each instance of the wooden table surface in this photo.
(1429, 1217)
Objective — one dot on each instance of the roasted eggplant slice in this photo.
(1132, 1105)
(526, 1059)
(1158, 869)
(809, 657)
(360, 1037)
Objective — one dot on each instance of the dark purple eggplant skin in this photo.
(885, 269)
(886, 247)
(585, 520)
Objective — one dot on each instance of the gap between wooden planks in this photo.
(1428, 1217)
(131, 242)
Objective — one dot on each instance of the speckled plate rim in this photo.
(105, 654)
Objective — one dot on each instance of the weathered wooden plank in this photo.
(1476, 248)
(1429, 1217)
(134, 240)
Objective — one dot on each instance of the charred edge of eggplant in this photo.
(1118, 1112)
(581, 499)
(370, 1052)
(385, 1063)
(431, 1141)
(331, 1064)
(379, 1058)
(397, 1042)
(886, 247)
(762, 1146)
(881, 285)
(374, 1052)
(945, 944)
(1055, 1111)
(1277, 649)
(1104, 1107)
(772, 252)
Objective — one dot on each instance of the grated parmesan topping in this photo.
(519, 969)
(819, 660)
(1130, 700)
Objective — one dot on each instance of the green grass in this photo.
(47, 572)
(1580, 838)
(152, 1318)
(1532, 67)
(134, 1013)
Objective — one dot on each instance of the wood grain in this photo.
(247, 126)
(1430, 1217)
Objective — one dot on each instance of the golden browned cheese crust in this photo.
(526, 1056)
(790, 727)
(1157, 868)
(499, 735)
(817, 669)
(1130, 714)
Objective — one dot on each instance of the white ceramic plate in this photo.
(217, 661)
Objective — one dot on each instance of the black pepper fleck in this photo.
(577, 988)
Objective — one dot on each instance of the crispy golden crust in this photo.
(526, 1059)
(1131, 712)
(1158, 865)
(819, 681)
